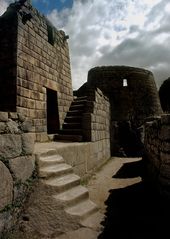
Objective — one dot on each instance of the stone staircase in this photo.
(72, 127)
(65, 187)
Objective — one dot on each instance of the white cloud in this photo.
(119, 32)
(3, 5)
(125, 32)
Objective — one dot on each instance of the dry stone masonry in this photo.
(37, 104)
(96, 120)
(157, 143)
(126, 102)
(16, 166)
(35, 69)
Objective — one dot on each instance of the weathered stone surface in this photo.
(45, 212)
(22, 167)
(82, 233)
(6, 188)
(12, 127)
(157, 146)
(2, 223)
(2, 127)
(27, 143)
(27, 125)
(21, 117)
(4, 116)
(10, 146)
(13, 115)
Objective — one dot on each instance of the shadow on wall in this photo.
(165, 96)
(129, 140)
(137, 211)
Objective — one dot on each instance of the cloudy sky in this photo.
(112, 32)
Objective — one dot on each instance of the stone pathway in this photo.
(99, 186)
(103, 181)
(131, 209)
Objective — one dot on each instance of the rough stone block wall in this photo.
(127, 102)
(40, 61)
(96, 122)
(157, 144)
(16, 167)
(42, 65)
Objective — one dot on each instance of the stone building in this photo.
(37, 100)
(132, 96)
(36, 80)
(35, 77)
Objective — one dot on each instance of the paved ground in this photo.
(102, 181)
(131, 209)
(99, 187)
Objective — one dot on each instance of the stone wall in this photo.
(96, 123)
(157, 144)
(128, 102)
(41, 63)
(16, 166)
(96, 120)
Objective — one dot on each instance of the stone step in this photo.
(73, 119)
(76, 98)
(83, 209)
(75, 112)
(71, 125)
(55, 170)
(73, 195)
(50, 160)
(68, 138)
(76, 107)
(63, 183)
(79, 101)
(94, 221)
(70, 132)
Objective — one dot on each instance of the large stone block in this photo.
(6, 188)
(2, 127)
(3, 116)
(27, 125)
(27, 143)
(10, 146)
(12, 127)
(22, 167)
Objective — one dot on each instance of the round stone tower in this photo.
(132, 92)
(133, 97)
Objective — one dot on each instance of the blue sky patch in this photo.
(46, 6)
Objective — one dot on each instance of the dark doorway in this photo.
(130, 139)
(52, 112)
